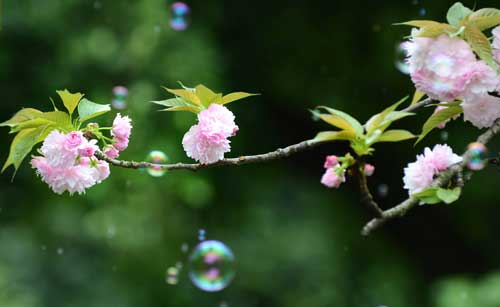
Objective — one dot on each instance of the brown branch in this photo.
(280, 153)
(366, 196)
(442, 180)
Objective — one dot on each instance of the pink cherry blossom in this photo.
(55, 149)
(205, 148)
(88, 148)
(120, 143)
(481, 110)
(217, 119)
(442, 67)
(369, 169)
(331, 179)
(73, 140)
(111, 152)
(419, 175)
(331, 161)
(122, 127)
(496, 43)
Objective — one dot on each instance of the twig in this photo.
(279, 153)
(442, 180)
(419, 105)
(366, 196)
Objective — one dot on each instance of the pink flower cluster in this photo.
(333, 176)
(419, 175)
(207, 141)
(446, 68)
(67, 163)
(122, 127)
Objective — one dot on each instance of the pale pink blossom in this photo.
(122, 127)
(120, 143)
(442, 67)
(419, 175)
(369, 169)
(102, 171)
(496, 43)
(443, 124)
(111, 152)
(331, 179)
(73, 140)
(54, 148)
(481, 110)
(331, 161)
(217, 119)
(87, 148)
(205, 148)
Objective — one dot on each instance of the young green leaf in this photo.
(419, 23)
(435, 30)
(428, 196)
(88, 109)
(187, 94)
(480, 44)
(70, 100)
(326, 136)
(485, 18)
(337, 121)
(61, 120)
(206, 95)
(449, 195)
(188, 108)
(417, 96)
(395, 136)
(358, 128)
(438, 118)
(235, 96)
(375, 121)
(21, 116)
(457, 13)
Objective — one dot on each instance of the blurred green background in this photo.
(296, 242)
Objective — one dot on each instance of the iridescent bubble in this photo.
(444, 135)
(172, 276)
(422, 12)
(184, 247)
(156, 157)
(400, 60)
(180, 16)
(383, 190)
(201, 234)
(119, 101)
(211, 266)
(476, 154)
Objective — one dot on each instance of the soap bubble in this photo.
(476, 154)
(180, 16)
(120, 94)
(156, 157)
(422, 12)
(184, 247)
(383, 190)
(201, 235)
(400, 60)
(60, 251)
(172, 276)
(444, 135)
(211, 266)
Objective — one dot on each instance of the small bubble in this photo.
(211, 266)
(172, 276)
(60, 251)
(184, 247)
(119, 101)
(444, 135)
(180, 16)
(201, 234)
(97, 5)
(476, 155)
(43, 247)
(382, 190)
(156, 157)
(400, 59)
(179, 265)
(422, 12)
(223, 304)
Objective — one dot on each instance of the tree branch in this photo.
(279, 153)
(442, 180)
(366, 196)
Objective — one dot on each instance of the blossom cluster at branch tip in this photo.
(67, 163)
(122, 127)
(334, 175)
(446, 69)
(207, 141)
(419, 175)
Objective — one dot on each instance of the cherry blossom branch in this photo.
(366, 196)
(279, 153)
(441, 180)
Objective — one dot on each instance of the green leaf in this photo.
(61, 120)
(326, 136)
(395, 136)
(21, 116)
(485, 18)
(375, 121)
(33, 123)
(207, 96)
(449, 195)
(438, 118)
(189, 108)
(23, 144)
(479, 43)
(236, 96)
(187, 94)
(428, 196)
(457, 13)
(419, 23)
(358, 128)
(417, 96)
(435, 30)
(88, 109)
(172, 102)
(70, 100)
(338, 122)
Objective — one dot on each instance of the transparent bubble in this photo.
(172, 276)
(184, 247)
(60, 251)
(43, 247)
(400, 60)
(201, 234)
(119, 101)
(180, 18)
(476, 153)
(422, 12)
(223, 304)
(156, 157)
(179, 265)
(383, 190)
(97, 5)
(211, 266)
(444, 135)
